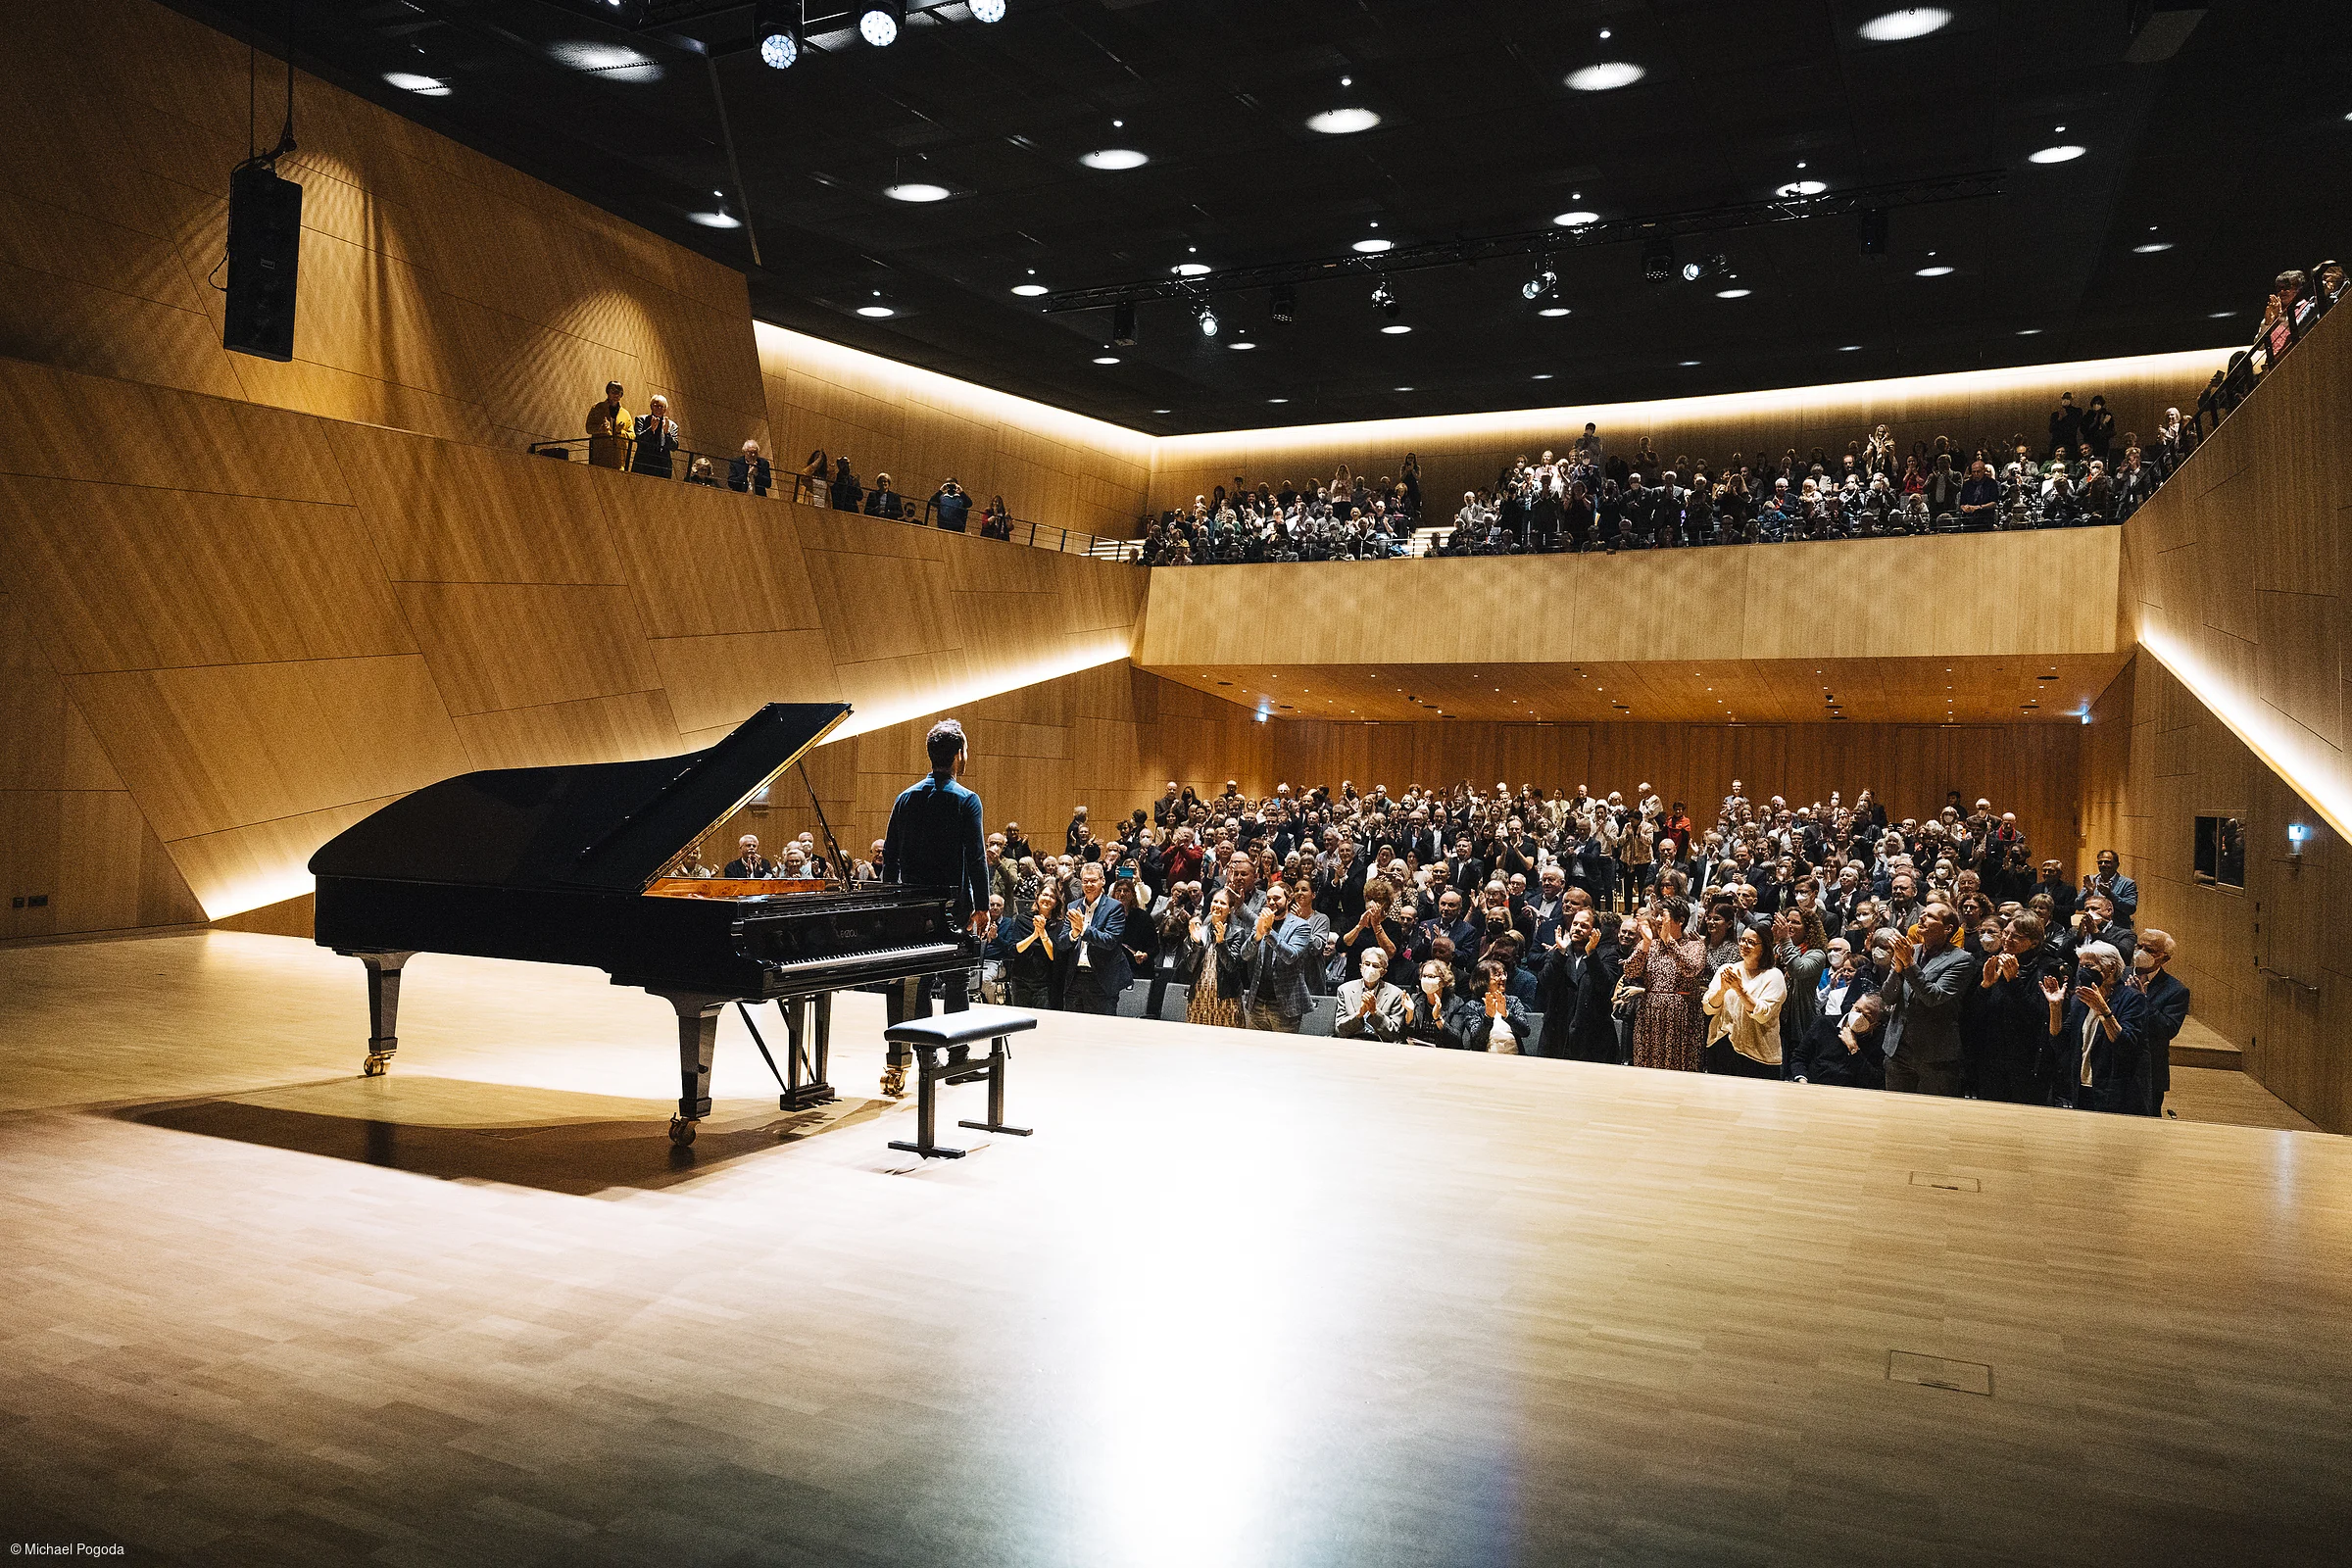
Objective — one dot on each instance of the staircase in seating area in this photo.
(2199, 1045)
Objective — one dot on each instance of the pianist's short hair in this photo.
(945, 743)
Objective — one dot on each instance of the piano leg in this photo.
(698, 1035)
(806, 1052)
(383, 1008)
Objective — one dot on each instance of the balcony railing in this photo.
(783, 483)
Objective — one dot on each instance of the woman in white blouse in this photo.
(1743, 1011)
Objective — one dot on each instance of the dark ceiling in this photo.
(2234, 148)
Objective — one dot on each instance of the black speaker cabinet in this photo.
(265, 246)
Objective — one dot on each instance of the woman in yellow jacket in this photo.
(1743, 1011)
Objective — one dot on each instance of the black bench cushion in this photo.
(959, 1028)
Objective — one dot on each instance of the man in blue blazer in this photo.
(2110, 880)
(1101, 970)
(2168, 1009)
(1278, 951)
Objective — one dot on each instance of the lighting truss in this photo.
(1550, 242)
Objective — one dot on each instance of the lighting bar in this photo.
(1549, 240)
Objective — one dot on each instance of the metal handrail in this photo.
(784, 484)
(2280, 974)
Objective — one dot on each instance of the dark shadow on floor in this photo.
(537, 1146)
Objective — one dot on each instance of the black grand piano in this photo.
(569, 865)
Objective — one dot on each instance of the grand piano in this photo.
(572, 865)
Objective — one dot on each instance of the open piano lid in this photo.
(606, 827)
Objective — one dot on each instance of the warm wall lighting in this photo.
(2312, 769)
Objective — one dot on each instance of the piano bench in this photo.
(943, 1043)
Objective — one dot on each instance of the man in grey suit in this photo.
(1370, 1008)
(1922, 991)
(1277, 952)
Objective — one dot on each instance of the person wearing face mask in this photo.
(1436, 1014)
(1371, 1009)
(2099, 1031)
(2003, 1028)
(2166, 996)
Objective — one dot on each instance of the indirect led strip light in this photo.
(2299, 759)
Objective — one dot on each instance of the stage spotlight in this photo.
(1389, 304)
(880, 24)
(1657, 259)
(1705, 266)
(1208, 319)
(1543, 282)
(988, 10)
(1285, 307)
(1122, 324)
(778, 26)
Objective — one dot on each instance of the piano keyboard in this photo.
(918, 953)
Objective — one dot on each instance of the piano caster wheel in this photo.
(681, 1131)
(375, 1064)
(893, 1082)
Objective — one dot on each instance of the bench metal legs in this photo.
(953, 1064)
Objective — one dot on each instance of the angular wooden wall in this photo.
(441, 291)
(274, 623)
(2234, 586)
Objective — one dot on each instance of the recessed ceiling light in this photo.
(1801, 187)
(2221, 315)
(1393, 329)
(1577, 219)
(1030, 291)
(877, 312)
(1189, 269)
(423, 86)
(1163, 411)
(1938, 271)
(2152, 247)
(915, 191)
(1373, 247)
(612, 60)
(2029, 331)
(1553, 310)
(1278, 399)
(1541, 375)
(1732, 293)
(1687, 364)
(2063, 153)
(1402, 389)
(1342, 122)
(1911, 21)
(1116, 158)
(1851, 348)
(717, 219)
(1106, 359)
(1241, 345)
(1609, 75)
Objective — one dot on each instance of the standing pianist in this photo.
(935, 839)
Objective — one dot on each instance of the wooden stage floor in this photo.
(1240, 1300)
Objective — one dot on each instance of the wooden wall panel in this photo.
(1464, 451)
(253, 671)
(441, 291)
(2234, 587)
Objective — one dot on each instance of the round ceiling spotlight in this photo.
(876, 312)
(1553, 310)
(1801, 187)
(1208, 319)
(1938, 271)
(1577, 219)
(1030, 291)
(1543, 282)
(988, 10)
(1396, 329)
(1911, 21)
(1386, 302)
(2063, 153)
(1732, 293)
(1242, 344)
(1373, 247)
(1189, 269)
(1607, 77)
(718, 218)
(1342, 122)
(2152, 247)
(777, 22)
(915, 191)
(880, 23)
(421, 87)
(1106, 359)
(1116, 158)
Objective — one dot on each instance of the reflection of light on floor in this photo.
(1198, 1307)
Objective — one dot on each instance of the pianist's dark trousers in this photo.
(912, 998)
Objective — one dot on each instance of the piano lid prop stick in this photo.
(839, 864)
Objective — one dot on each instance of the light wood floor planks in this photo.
(1240, 1300)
